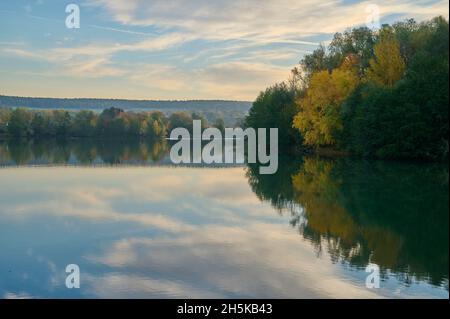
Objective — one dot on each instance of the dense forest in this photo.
(380, 93)
(112, 122)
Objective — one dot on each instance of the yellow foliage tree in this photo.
(319, 118)
(387, 66)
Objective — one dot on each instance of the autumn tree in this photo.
(5, 114)
(137, 124)
(159, 124)
(387, 66)
(319, 118)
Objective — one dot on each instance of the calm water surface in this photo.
(140, 227)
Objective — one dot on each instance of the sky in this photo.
(174, 49)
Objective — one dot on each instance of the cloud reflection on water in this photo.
(196, 233)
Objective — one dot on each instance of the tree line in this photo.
(112, 122)
(377, 93)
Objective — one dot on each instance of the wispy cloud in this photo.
(268, 21)
(182, 49)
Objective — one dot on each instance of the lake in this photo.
(139, 227)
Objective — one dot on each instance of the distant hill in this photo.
(100, 104)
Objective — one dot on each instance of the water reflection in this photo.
(391, 214)
(82, 151)
(203, 232)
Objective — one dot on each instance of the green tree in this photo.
(275, 108)
(137, 124)
(19, 123)
(41, 124)
(316, 61)
(409, 120)
(84, 124)
(111, 122)
(358, 42)
(180, 119)
(62, 122)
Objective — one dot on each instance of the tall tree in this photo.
(319, 119)
(275, 108)
(387, 66)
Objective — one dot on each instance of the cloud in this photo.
(270, 21)
(83, 205)
(20, 295)
(149, 45)
(228, 80)
(21, 53)
(211, 238)
(89, 204)
(221, 261)
(194, 49)
(99, 67)
(120, 285)
(226, 193)
(95, 60)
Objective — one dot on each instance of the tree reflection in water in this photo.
(391, 214)
(81, 151)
